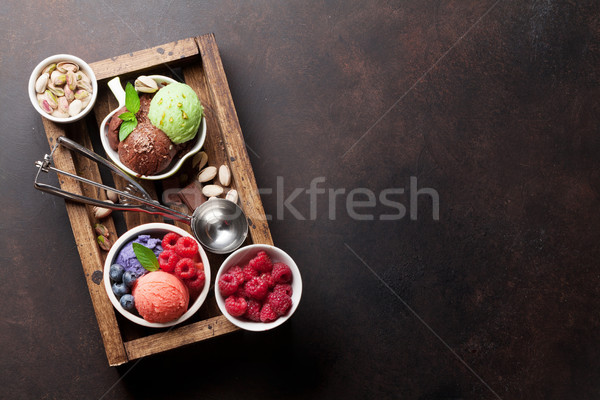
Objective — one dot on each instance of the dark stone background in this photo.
(495, 105)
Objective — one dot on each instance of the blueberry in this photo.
(116, 273)
(119, 289)
(129, 278)
(127, 302)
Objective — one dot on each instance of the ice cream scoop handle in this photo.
(115, 86)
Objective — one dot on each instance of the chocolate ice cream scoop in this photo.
(147, 150)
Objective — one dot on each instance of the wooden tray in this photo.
(198, 62)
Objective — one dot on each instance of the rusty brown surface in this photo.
(492, 104)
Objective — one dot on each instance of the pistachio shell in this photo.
(87, 86)
(56, 90)
(224, 175)
(212, 190)
(207, 174)
(65, 66)
(59, 114)
(232, 196)
(41, 83)
(145, 84)
(75, 107)
(200, 160)
(81, 76)
(85, 101)
(49, 69)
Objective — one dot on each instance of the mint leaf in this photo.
(127, 116)
(132, 100)
(126, 128)
(146, 257)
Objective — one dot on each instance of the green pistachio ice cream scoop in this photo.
(176, 110)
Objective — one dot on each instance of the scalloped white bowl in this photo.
(175, 164)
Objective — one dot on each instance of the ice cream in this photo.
(176, 110)
(160, 297)
(127, 258)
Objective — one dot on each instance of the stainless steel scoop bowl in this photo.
(218, 224)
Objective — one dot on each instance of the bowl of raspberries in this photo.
(258, 287)
(157, 275)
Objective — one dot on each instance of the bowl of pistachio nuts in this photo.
(63, 88)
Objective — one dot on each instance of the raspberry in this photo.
(186, 247)
(236, 306)
(280, 302)
(241, 292)
(261, 262)
(168, 242)
(238, 273)
(196, 284)
(167, 260)
(185, 269)
(281, 273)
(269, 279)
(253, 311)
(285, 288)
(249, 273)
(256, 288)
(267, 314)
(228, 284)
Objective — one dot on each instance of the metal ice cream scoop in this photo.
(219, 225)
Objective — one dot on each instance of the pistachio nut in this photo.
(104, 243)
(101, 230)
(112, 196)
(63, 105)
(81, 94)
(212, 190)
(71, 80)
(49, 69)
(69, 94)
(41, 83)
(44, 105)
(52, 100)
(75, 107)
(232, 196)
(207, 174)
(145, 84)
(58, 79)
(58, 92)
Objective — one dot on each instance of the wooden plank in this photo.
(89, 252)
(233, 140)
(145, 59)
(177, 337)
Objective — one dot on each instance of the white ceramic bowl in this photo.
(241, 257)
(83, 66)
(155, 230)
(119, 93)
